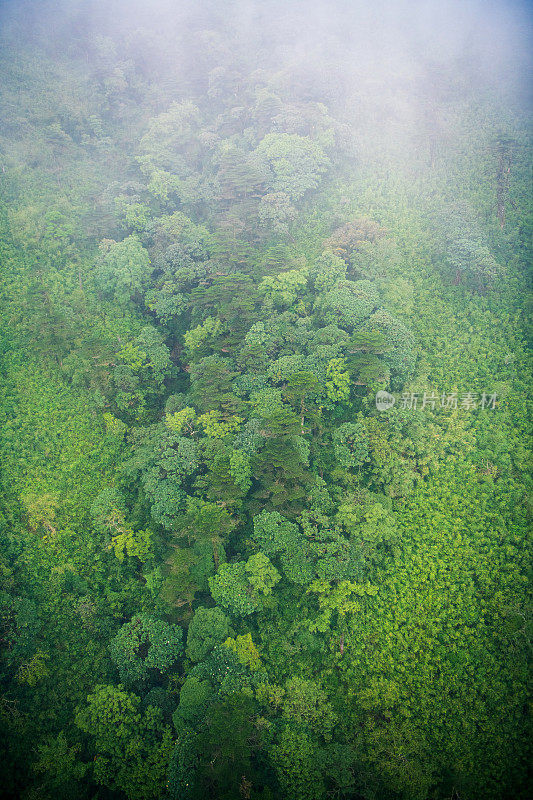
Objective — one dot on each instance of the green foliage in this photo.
(467, 257)
(216, 427)
(231, 588)
(327, 271)
(170, 132)
(245, 650)
(59, 766)
(338, 380)
(226, 746)
(299, 765)
(294, 164)
(276, 536)
(209, 265)
(205, 522)
(131, 749)
(350, 441)
(181, 421)
(108, 511)
(348, 304)
(276, 212)
(144, 644)
(241, 469)
(195, 338)
(166, 301)
(446, 597)
(282, 290)
(307, 704)
(123, 268)
(162, 460)
(262, 575)
(194, 696)
(208, 627)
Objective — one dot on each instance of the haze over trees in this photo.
(224, 572)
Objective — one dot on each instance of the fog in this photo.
(264, 395)
(380, 43)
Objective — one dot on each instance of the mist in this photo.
(374, 42)
(265, 399)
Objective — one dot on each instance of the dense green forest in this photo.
(229, 568)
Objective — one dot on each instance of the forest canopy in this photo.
(265, 415)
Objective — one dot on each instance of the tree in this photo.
(307, 704)
(143, 646)
(299, 764)
(262, 575)
(208, 627)
(238, 176)
(327, 271)
(283, 289)
(181, 421)
(338, 380)
(123, 269)
(400, 354)
(350, 441)
(348, 304)
(278, 420)
(294, 164)
(227, 474)
(240, 469)
(334, 557)
(356, 240)
(195, 695)
(217, 426)
(205, 522)
(163, 461)
(228, 745)
(166, 301)
(171, 144)
(372, 528)
(245, 650)
(277, 536)
(131, 748)
(365, 356)
(109, 515)
(467, 255)
(231, 589)
(303, 389)
(211, 382)
(276, 212)
(59, 765)
(280, 467)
